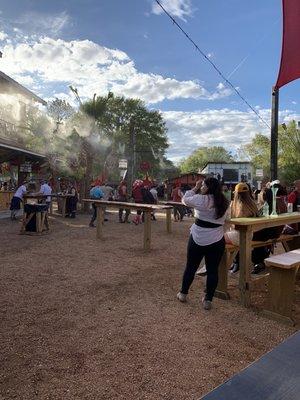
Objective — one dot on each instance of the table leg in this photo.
(100, 219)
(51, 208)
(147, 230)
(38, 218)
(245, 263)
(169, 220)
(63, 209)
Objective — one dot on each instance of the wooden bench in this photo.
(283, 270)
(289, 242)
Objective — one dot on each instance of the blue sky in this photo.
(131, 48)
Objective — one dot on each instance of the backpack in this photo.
(96, 193)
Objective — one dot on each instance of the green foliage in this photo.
(114, 117)
(289, 145)
(197, 160)
(258, 152)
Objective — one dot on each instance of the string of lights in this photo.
(212, 64)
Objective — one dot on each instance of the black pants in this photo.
(213, 254)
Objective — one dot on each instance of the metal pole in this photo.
(274, 133)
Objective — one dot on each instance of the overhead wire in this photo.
(212, 64)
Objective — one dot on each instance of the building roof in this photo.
(7, 84)
(9, 150)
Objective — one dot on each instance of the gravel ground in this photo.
(84, 319)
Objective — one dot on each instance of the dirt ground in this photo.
(88, 319)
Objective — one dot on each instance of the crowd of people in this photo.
(44, 188)
(210, 204)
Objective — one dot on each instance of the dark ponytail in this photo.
(220, 201)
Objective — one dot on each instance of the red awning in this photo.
(290, 54)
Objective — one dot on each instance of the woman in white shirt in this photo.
(15, 204)
(207, 236)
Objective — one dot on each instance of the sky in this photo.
(132, 49)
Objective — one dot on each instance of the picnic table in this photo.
(39, 197)
(246, 227)
(146, 208)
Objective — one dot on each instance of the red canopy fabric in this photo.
(290, 54)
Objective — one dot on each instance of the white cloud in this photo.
(93, 68)
(40, 23)
(176, 8)
(228, 128)
(3, 36)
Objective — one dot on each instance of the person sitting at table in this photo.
(242, 206)
(71, 201)
(123, 197)
(15, 204)
(207, 236)
(97, 194)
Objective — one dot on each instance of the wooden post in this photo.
(169, 220)
(245, 262)
(147, 230)
(100, 219)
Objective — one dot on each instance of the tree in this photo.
(103, 130)
(59, 110)
(289, 145)
(197, 160)
(258, 152)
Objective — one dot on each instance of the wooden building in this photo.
(15, 160)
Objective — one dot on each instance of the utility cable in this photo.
(212, 64)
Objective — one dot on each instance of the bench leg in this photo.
(245, 262)
(147, 230)
(222, 288)
(169, 220)
(281, 294)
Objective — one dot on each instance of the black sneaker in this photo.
(258, 268)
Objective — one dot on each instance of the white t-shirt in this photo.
(205, 211)
(46, 189)
(20, 192)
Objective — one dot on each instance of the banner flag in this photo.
(290, 54)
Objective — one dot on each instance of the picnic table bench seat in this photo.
(283, 270)
(288, 241)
